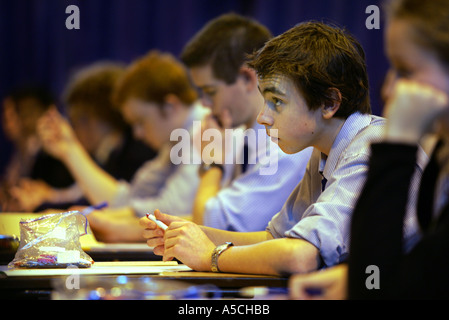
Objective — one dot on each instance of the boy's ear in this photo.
(331, 103)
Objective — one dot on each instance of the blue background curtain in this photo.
(36, 46)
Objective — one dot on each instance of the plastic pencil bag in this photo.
(52, 241)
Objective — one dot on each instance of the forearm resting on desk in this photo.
(275, 257)
(96, 184)
(237, 238)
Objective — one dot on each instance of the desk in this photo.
(115, 252)
(32, 286)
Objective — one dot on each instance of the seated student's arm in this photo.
(60, 141)
(33, 193)
(278, 257)
(168, 188)
(115, 225)
(254, 252)
(209, 186)
(252, 199)
(210, 181)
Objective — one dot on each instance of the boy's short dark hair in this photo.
(224, 44)
(39, 93)
(317, 57)
(90, 91)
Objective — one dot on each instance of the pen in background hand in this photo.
(88, 210)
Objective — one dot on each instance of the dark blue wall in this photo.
(35, 45)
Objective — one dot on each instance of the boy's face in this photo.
(147, 121)
(217, 95)
(413, 63)
(286, 111)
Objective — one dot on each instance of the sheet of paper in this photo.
(112, 247)
(102, 268)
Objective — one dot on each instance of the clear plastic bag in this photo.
(52, 241)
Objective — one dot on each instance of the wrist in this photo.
(216, 253)
(73, 152)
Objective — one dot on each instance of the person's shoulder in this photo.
(372, 132)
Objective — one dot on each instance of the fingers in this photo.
(166, 218)
(413, 110)
(329, 284)
(48, 128)
(153, 233)
(301, 287)
(226, 119)
(157, 237)
(173, 241)
(158, 250)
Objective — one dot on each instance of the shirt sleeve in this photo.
(160, 185)
(147, 182)
(251, 200)
(175, 197)
(326, 223)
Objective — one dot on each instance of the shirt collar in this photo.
(352, 126)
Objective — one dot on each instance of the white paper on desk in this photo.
(101, 268)
(122, 247)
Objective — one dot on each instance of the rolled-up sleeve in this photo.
(326, 223)
(175, 197)
(122, 196)
(160, 185)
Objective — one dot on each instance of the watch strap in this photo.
(216, 254)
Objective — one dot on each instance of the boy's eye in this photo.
(277, 102)
(274, 103)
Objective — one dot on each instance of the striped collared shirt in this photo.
(323, 217)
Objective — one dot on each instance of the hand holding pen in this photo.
(154, 231)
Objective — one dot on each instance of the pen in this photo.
(158, 222)
(93, 208)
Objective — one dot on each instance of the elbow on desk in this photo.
(301, 257)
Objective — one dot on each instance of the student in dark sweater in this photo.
(417, 42)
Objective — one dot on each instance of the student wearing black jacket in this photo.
(417, 41)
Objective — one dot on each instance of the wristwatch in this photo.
(206, 167)
(216, 253)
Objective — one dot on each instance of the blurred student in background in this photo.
(216, 58)
(101, 131)
(417, 44)
(21, 111)
(155, 97)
